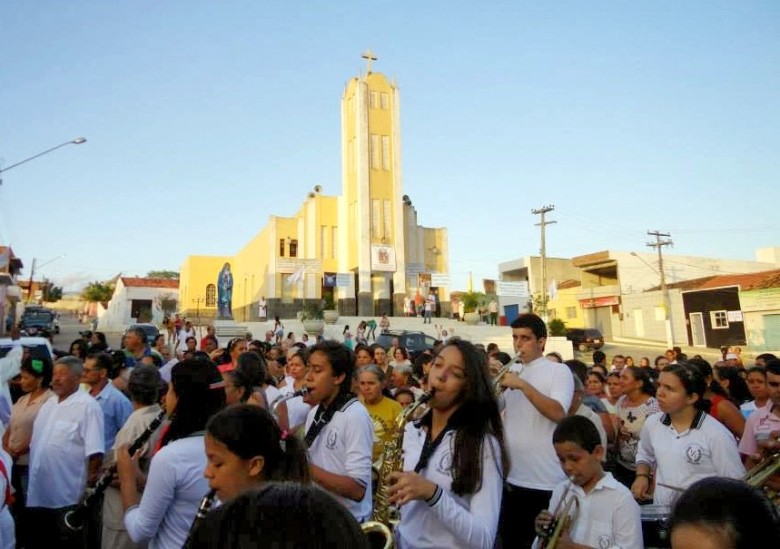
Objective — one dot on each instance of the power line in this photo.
(543, 251)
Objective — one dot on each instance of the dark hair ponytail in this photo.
(249, 431)
(693, 381)
(199, 393)
(642, 374)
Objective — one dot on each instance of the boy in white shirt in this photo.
(608, 516)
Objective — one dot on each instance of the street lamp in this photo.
(76, 141)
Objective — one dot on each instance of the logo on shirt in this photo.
(445, 463)
(605, 541)
(693, 453)
(331, 440)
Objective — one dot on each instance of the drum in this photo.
(655, 526)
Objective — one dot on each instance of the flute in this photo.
(74, 519)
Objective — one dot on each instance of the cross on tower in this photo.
(369, 56)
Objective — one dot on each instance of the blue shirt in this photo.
(116, 409)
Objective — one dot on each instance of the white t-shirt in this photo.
(608, 517)
(528, 433)
(706, 449)
(64, 435)
(344, 447)
(7, 531)
(174, 489)
(450, 520)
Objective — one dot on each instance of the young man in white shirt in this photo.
(65, 453)
(339, 431)
(538, 396)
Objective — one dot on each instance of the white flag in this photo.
(552, 290)
(297, 276)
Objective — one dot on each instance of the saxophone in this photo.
(393, 460)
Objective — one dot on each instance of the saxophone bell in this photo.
(378, 535)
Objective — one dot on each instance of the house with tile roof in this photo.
(139, 299)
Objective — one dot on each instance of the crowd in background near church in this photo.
(73, 416)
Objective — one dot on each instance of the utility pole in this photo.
(542, 211)
(658, 245)
(29, 287)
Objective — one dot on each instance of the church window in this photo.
(375, 152)
(293, 248)
(385, 101)
(386, 152)
(376, 218)
(387, 228)
(281, 247)
(211, 295)
(373, 99)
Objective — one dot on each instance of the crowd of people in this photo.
(281, 442)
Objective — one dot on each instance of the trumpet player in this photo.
(764, 425)
(535, 401)
(454, 458)
(606, 513)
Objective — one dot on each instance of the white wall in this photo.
(117, 316)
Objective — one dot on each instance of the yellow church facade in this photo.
(364, 248)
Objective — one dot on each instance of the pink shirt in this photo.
(21, 425)
(760, 421)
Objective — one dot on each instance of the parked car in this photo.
(36, 345)
(414, 342)
(38, 319)
(151, 331)
(585, 339)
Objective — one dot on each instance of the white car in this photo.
(40, 344)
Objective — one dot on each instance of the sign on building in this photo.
(382, 258)
(512, 289)
(343, 279)
(440, 279)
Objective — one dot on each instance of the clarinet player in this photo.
(454, 458)
(539, 392)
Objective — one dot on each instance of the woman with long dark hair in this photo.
(637, 403)
(684, 443)
(454, 458)
(250, 383)
(721, 406)
(175, 485)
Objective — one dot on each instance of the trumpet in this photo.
(303, 391)
(497, 389)
(564, 516)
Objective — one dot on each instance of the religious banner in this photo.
(512, 289)
(292, 264)
(328, 280)
(382, 258)
(343, 280)
(424, 280)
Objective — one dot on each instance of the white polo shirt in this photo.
(608, 517)
(706, 449)
(64, 435)
(344, 447)
(450, 520)
(528, 433)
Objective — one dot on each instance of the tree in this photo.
(472, 301)
(98, 291)
(167, 303)
(51, 292)
(171, 275)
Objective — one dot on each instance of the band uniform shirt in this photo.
(136, 424)
(528, 434)
(65, 434)
(608, 518)
(761, 421)
(174, 489)
(344, 447)
(450, 520)
(706, 449)
(116, 409)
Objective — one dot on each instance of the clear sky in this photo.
(204, 118)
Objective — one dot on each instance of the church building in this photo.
(362, 251)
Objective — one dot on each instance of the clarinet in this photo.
(203, 510)
(75, 518)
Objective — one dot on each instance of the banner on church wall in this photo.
(343, 280)
(382, 258)
(329, 280)
(440, 279)
(290, 265)
(512, 289)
